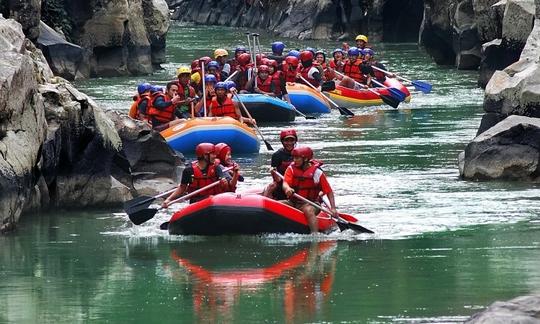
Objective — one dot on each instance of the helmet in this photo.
(353, 51)
(306, 56)
(220, 52)
(196, 78)
(263, 68)
(221, 150)
(156, 89)
(195, 64)
(244, 59)
(320, 52)
(311, 49)
(368, 51)
(264, 61)
(273, 63)
(303, 151)
(205, 59)
(183, 70)
(230, 84)
(294, 53)
(220, 85)
(204, 148)
(291, 60)
(213, 64)
(240, 48)
(287, 133)
(278, 47)
(362, 38)
(337, 50)
(259, 58)
(143, 87)
(210, 78)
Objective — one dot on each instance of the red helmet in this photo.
(204, 148)
(288, 133)
(259, 58)
(244, 59)
(273, 63)
(306, 56)
(292, 61)
(221, 150)
(303, 152)
(194, 64)
(263, 68)
(206, 60)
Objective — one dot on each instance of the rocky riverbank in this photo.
(59, 149)
(95, 38)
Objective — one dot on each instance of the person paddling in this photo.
(305, 178)
(224, 154)
(222, 105)
(308, 71)
(200, 173)
(281, 159)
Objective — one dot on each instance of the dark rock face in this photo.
(520, 310)
(28, 14)
(509, 150)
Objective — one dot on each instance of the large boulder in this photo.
(156, 21)
(65, 59)
(520, 310)
(509, 150)
(22, 122)
(28, 14)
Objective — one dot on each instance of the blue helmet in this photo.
(156, 89)
(143, 87)
(230, 84)
(368, 51)
(337, 50)
(213, 64)
(220, 85)
(294, 53)
(278, 47)
(240, 48)
(210, 78)
(353, 51)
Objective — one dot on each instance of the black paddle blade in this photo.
(268, 146)
(342, 226)
(345, 112)
(328, 86)
(141, 202)
(345, 225)
(142, 216)
(391, 101)
(164, 226)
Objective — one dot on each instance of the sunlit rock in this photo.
(520, 310)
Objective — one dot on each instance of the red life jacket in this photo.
(184, 93)
(304, 71)
(134, 109)
(354, 71)
(242, 77)
(336, 66)
(225, 109)
(164, 115)
(265, 85)
(304, 183)
(290, 76)
(276, 82)
(200, 180)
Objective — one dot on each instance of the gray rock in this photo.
(28, 14)
(520, 310)
(517, 22)
(65, 59)
(509, 150)
(488, 19)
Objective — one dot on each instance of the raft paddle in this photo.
(342, 110)
(389, 100)
(140, 216)
(341, 222)
(268, 146)
(142, 202)
(395, 92)
(418, 85)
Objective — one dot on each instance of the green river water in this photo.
(444, 248)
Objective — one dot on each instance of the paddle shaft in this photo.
(204, 87)
(231, 76)
(198, 191)
(314, 88)
(254, 62)
(389, 73)
(360, 84)
(268, 146)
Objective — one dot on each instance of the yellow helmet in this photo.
(220, 52)
(196, 78)
(362, 37)
(183, 70)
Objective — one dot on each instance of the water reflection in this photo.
(300, 277)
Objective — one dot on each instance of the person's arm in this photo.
(236, 175)
(161, 103)
(182, 187)
(327, 190)
(286, 180)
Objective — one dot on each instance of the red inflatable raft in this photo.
(232, 213)
(351, 98)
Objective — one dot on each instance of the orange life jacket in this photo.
(303, 182)
(134, 109)
(225, 109)
(200, 180)
(354, 71)
(163, 115)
